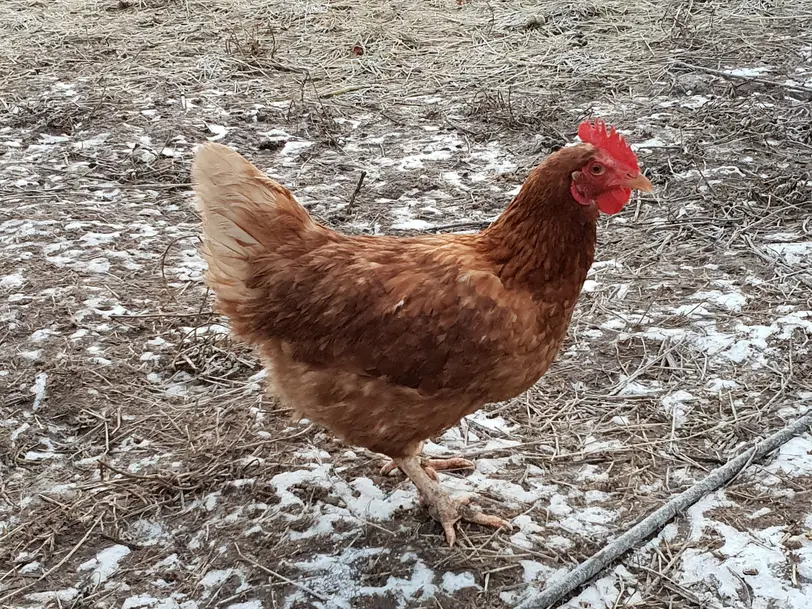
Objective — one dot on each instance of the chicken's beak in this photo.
(639, 182)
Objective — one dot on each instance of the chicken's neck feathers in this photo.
(545, 241)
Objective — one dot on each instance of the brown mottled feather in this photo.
(388, 341)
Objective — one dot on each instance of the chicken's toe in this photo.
(432, 466)
(444, 510)
(448, 511)
(391, 467)
(388, 468)
(448, 464)
(475, 516)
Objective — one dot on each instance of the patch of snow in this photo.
(495, 160)
(14, 280)
(744, 344)
(215, 578)
(593, 445)
(629, 387)
(497, 424)
(794, 458)
(105, 563)
(675, 405)
(588, 521)
(412, 224)
(595, 496)
(46, 138)
(147, 532)
(491, 466)
(794, 254)
(38, 389)
(718, 385)
(141, 600)
(252, 604)
(31, 567)
(733, 301)
(649, 143)
(454, 582)
(373, 503)
(754, 558)
(96, 265)
(759, 513)
(35, 455)
(219, 132)
(363, 499)
(98, 239)
(511, 493)
(533, 570)
(711, 172)
(694, 101)
(754, 72)
(602, 594)
(292, 148)
(40, 335)
(65, 595)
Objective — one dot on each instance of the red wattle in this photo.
(612, 201)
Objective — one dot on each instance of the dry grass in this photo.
(518, 76)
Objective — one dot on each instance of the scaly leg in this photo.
(432, 466)
(441, 506)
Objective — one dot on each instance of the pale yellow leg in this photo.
(442, 507)
(432, 466)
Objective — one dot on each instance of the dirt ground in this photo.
(142, 466)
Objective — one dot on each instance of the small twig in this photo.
(355, 192)
(349, 89)
(704, 179)
(149, 478)
(588, 569)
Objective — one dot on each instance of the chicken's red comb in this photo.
(608, 140)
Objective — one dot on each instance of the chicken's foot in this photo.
(432, 466)
(442, 507)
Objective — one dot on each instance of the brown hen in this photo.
(389, 341)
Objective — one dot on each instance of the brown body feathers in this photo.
(389, 341)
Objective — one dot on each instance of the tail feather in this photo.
(245, 214)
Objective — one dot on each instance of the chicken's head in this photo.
(610, 174)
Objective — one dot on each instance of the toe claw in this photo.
(450, 533)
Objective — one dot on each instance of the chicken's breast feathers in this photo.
(422, 313)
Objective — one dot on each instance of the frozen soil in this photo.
(141, 465)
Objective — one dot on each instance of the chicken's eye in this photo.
(596, 169)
